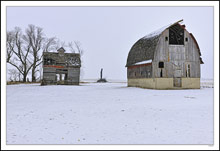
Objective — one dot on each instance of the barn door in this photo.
(177, 78)
(177, 82)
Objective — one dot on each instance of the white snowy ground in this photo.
(108, 113)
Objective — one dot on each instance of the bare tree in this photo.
(34, 37)
(10, 42)
(76, 47)
(60, 44)
(79, 48)
(18, 53)
(14, 74)
(40, 70)
(71, 46)
(37, 40)
(49, 44)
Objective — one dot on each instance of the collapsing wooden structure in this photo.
(165, 59)
(61, 68)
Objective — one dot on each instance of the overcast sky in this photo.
(108, 33)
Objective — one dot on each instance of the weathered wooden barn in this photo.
(168, 58)
(61, 68)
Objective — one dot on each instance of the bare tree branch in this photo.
(20, 55)
(79, 48)
(49, 44)
(71, 46)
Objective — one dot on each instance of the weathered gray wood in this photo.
(176, 58)
(57, 65)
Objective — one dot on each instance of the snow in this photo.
(159, 31)
(143, 62)
(108, 113)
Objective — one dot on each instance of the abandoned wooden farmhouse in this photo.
(168, 58)
(61, 68)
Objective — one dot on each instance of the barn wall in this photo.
(142, 71)
(164, 83)
(176, 58)
(192, 56)
(152, 83)
(142, 82)
(191, 83)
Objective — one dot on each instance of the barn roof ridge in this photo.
(145, 47)
(160, 30)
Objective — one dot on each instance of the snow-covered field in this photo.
(108, 113)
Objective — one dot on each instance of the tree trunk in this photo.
(33, 74)
(33, 78)
(24, 77)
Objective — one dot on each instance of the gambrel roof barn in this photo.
(168, 58)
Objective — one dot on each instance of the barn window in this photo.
(188, 70)
(166, 38)
(186, 39)
(176, 35)
(161, 73)
(161, 64)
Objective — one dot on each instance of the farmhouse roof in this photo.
(61, 50)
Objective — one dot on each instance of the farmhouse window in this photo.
(58, 77)
(49, 61)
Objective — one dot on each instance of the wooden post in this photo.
(101, 74)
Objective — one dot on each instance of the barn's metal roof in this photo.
(145, 47)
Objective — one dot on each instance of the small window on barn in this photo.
(166, 38)
(161, 64)
(161, 73)
(186, 39)
(188, 70)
